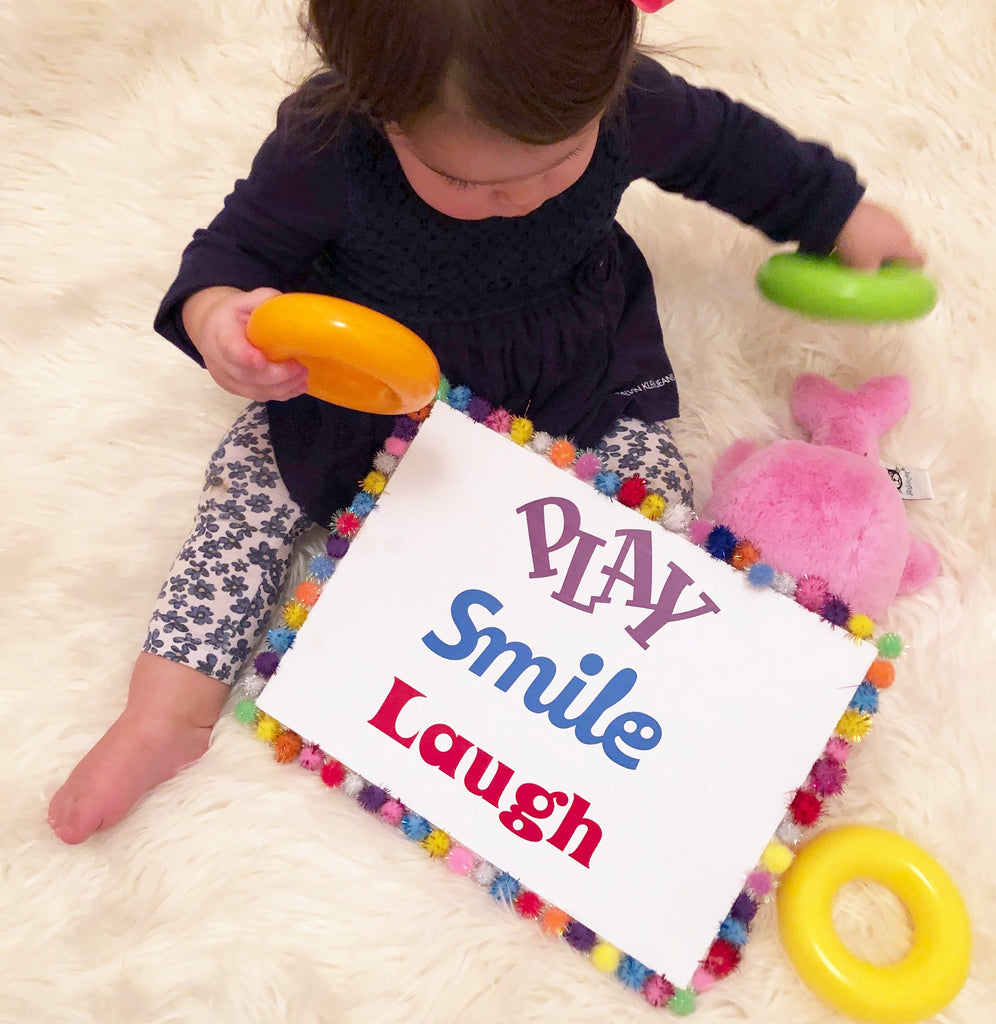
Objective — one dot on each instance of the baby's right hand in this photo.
(216, 319)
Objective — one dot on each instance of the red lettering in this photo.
(445, 760)
(386, 719)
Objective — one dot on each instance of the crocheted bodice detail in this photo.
(402, 256)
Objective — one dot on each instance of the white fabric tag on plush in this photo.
(911, 483)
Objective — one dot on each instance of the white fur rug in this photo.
(242, 891)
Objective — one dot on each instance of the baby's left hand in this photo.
(873, 236)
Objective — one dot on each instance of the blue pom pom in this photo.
(733, 931)
(415, 827)
(280, 639)
(632, 973)
(363, 504)
(505, 888)
(720, 543)
(865, 699)
(460, 397)
(760, 574)
(607, 482)
(322, 567)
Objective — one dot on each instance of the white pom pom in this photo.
(353, 784)
(541, 442)
(676, 517)
(484, 874)
(784, 584)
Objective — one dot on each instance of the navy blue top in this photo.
(551, 315)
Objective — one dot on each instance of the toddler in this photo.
(457, 165)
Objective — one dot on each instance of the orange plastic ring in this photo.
(355, 356)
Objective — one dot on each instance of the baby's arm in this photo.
(215, 321)
(273, 226)
(708, 147)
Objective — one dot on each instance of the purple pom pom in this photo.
(266, 663)
(583, 939)
(479, 409)
(835, 611)
(336, 546)
(720, 543)
(744, 908)
(372, 798)
(405, 428)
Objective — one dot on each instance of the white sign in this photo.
(589, 702)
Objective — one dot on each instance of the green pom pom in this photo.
(682, 1003)
(443, 390)
(890, 645)
(245, 711)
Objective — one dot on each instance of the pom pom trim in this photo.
(803, 809)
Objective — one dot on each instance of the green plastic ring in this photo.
(823, 288)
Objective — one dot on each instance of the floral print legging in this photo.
(229, 574)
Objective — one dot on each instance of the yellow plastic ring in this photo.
(920, 984)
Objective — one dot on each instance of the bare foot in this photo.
(166, 725)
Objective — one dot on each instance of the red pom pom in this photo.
(632, 491)
(528, 904)
(333, 773)
(722, 958)
(805, 807)
(347, 524)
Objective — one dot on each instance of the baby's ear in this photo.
(922, 565)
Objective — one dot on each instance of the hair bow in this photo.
(651, 6)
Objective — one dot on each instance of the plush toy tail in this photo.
(852, 420)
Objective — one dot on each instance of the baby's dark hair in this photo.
(535, 70)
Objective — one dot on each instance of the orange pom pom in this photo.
(554, 921)
(287, 747)
(421, 414)
(744, 555)
(562, 453)
(881, 674)
(307, 593)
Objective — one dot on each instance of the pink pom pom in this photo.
(759, 883)
(396, 446)
(702, 980)
(588, 466)
(811, 592)
(392, 811)
(699, 529)
(460, 860)
(837, 748)
(311, 758)
(828, 777)
(499, 420)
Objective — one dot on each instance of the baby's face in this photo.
(466, 170)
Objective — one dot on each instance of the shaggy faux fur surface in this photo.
(242, 891)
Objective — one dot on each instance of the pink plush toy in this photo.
(826, 512)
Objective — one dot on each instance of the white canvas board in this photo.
(742, 698)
